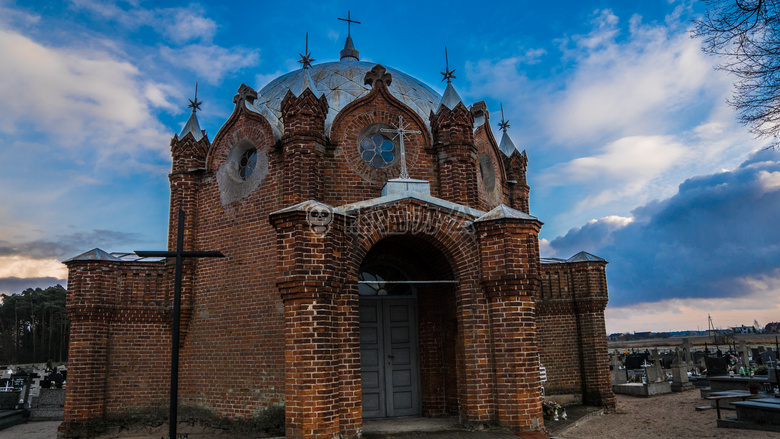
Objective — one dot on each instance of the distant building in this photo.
(742, 329)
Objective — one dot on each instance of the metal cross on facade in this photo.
(179, 254)
(400, 130)
(349, 21)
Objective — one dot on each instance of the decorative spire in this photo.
(507, 146)
(306, 59)
(194, 104)
(192, 126)
(349, 52)
(504, 124)
(448, 74)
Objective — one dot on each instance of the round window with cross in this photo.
(376, 148)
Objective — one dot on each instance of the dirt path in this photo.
(666, 416)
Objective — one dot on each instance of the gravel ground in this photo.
(666, 416)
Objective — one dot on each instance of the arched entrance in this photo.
(408, 330)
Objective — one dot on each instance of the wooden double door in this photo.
(389, 357)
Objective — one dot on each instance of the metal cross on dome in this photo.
(400, 130)
(306, 59)
(349, 21)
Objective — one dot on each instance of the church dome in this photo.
(342, 83)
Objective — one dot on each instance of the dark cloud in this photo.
(15, 285)
(66, 246)
(701, 243)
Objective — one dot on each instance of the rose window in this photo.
(377, 150)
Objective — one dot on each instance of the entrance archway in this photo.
(408, 330)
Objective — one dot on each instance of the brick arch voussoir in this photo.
(354, 116)
(241, 125)
(458, 247)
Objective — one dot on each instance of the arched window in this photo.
(384, 279)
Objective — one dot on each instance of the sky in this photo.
(634, 154)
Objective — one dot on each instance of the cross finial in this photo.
(194, 104)
(399, 131)
(448, 74)
(349, 21)
(306, 59)
(504, 124)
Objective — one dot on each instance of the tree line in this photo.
(34, 326)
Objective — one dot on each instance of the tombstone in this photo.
(687, 354)
(717, 366)
(634, 361)
(680, 381)
(618, 374)
(768, 358)
(654, 373)
(744, 353)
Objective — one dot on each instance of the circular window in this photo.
(376, 148)
(247, 163)
(384, 280)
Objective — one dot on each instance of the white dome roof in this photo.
(342, 82)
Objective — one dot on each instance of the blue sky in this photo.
(633, 154)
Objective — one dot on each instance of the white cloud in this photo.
(179, 25)
(74, 95)
(25, 267)
(211, 62)
(630, 87)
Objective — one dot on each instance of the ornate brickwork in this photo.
(278, 321)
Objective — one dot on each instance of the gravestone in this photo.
(635, 360)
(618, 374)
(744, 353)
(655, 373)
(687, 354)
(717, 366)
(768, 358)
(680, 381)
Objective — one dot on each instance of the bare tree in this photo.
(747, 34)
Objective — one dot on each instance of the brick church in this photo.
(380, 261)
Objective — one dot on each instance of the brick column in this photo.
(519, 190)
(303, 144)
(589, 281)
(509, 252)
(90, 299)
(322, 347)
(453, 137)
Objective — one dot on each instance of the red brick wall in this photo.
(572, 331)
(121, 340)
(347, 177)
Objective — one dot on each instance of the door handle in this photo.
(391, 356)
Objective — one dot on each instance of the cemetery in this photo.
(741, 378)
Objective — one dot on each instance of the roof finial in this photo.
(349, 21)
(448, 74)
(306, 59)
(194, 104)
(504, 124)
(349, 53)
